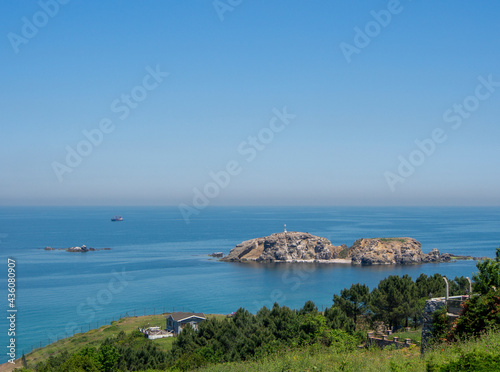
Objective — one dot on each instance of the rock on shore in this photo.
(304, 247)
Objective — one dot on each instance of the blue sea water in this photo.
(159, 263)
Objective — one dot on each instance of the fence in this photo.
(384, 341)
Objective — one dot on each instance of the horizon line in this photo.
(253, 206)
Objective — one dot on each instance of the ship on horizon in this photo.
(117, 218)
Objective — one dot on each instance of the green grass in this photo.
(95, 337)
(386, 240)
(344, 252)
(414, 335)
(461, 258)
(374, 359)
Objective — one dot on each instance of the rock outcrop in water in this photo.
(304, 247)
(82, 249)
(285, 247)
(382, 251)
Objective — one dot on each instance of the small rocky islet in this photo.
(81, 249)
(298, 247)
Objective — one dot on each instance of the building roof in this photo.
(180, 316)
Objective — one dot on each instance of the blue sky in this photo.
(356, 116)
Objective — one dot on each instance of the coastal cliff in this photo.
(303, 247)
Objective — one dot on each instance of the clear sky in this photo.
(287, 102)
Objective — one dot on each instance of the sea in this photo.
(159, 263)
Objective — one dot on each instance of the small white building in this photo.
(154, 333)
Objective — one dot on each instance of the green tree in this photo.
(313, 327)
(286, 323)
(108, 356)
(479, 314)
(488, 275)
(80, 363)
(185, 342)
(434, 286)
(395, 300)
(459, 286)
(309, 307)
(337, 319)
(353, 301)
(430, 286)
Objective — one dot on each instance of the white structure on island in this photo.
(285, 228)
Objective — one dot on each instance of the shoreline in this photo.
(332, 260)
(346, 261)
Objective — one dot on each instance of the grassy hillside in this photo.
(312, 358)
(95, 337)
(408, 359)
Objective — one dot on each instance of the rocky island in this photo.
(287, 247)
(381, 251)
(303, 247)
(81, 249)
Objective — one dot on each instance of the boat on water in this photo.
(117, 218)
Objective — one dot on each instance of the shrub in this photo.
(475, 361)
(480, 313)
(440, 324)
(488, 275)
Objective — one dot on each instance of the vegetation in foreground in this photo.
(476, 355)
(281, 339)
